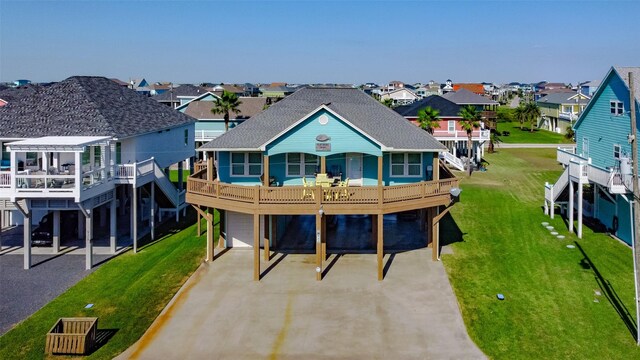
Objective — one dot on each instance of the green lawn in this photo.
(525, 136)
(549, 311)
(173, 175)
(128, 293)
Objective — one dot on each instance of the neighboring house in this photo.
(343, 134)
(276, 92)
(559, 111)
(180, 95)
(473, 87)
(89, 148)
(218, 89)
(432, 88)
(209, 126)
(160, 88)
(545, 88)
(602, 159)
(450, 133)
(141, 86)
(400, 96)
(446, 87)
(486, 106)
(120, 82)
(589, 88)
(250, 89)
(21, 82)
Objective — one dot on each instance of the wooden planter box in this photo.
(72, 336)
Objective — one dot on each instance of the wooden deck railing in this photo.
(263, 195)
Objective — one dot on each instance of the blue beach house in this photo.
(601, 160)
(321, 152)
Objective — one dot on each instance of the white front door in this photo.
(354, 168)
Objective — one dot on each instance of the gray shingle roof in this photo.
(182, 90)
(624, 74)
(445, 107)
(86, 106)
(561, 98)
(376, 120)
(465, 97)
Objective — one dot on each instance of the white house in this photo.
(90, 146)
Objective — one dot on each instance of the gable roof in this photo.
(362, 111)
(182, 90)
(249, 107)
(466, 97)
(620, 71)
(445, 107)
(86, 106)
(563, 98)
(474, 88)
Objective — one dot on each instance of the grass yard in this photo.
(173, 175)
(549, 311)
(128, 293)
(525, 136)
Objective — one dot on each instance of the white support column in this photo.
(570, 206)
(80, 225)
(580, 209)
(88, 240)
(56, 232)
(134, 219)
(27, 241)
(113, 226)
(152, 215)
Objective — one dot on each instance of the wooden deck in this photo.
(308, 200)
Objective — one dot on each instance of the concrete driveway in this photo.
(221, 313)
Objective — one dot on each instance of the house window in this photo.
(617, 107)
(32, 159)
(616, 151)
(585, 147)
(118, 153)
(451, 126)
(96, 156)
(566, 108)
(246, 164)
(186, 137)
(407, 164)
(301, 164)
(5, 154)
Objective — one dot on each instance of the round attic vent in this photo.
(323, 119)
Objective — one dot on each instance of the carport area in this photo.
(222, 313)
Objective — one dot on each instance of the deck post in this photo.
(265, 172)
(380, 247)
(210, 231)
(113, 228)
(27, 240)
(152, 215)
(323, 239)
(319, 246)
(134, 219)
(267, 252)
(210, 166)
(88, 238)
(198, 223)
(570, 206)
(56, 232)
(256, 247)
(222, 240)
(323, 164)
(580, 207)
(374, 229)
(435, 241)
(180, 175)
(429, 227)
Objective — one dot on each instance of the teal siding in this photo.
(603, 129)
(224, 172)
(302, 138)
(622, 209)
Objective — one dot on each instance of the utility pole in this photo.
(636, 198)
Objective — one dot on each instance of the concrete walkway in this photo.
(221, 313)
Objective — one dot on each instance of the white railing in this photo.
(565, 154)
(5, 179)
(552, 191)
(132, 172)
(579, 169)
(176, 196)
(93, 177)
(476, 135)
(451, 159)
(599, 175)
(206, 135)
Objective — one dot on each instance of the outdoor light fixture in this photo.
(318, 269)
(321, 211)
(455, 192)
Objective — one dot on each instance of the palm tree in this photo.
(428, 119)
(226, 104)
(387, 102)
(470, 120)
(533, 113)
(520, 113)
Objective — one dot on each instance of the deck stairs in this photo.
(553, 191)
(453, 161)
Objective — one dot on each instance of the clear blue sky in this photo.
(318, 41)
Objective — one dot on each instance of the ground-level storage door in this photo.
(240, 229)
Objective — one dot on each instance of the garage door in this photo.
(240, 229)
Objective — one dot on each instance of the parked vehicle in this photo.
(43, 234)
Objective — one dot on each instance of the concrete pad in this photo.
(222, 313)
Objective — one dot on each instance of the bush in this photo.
(504, 114)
